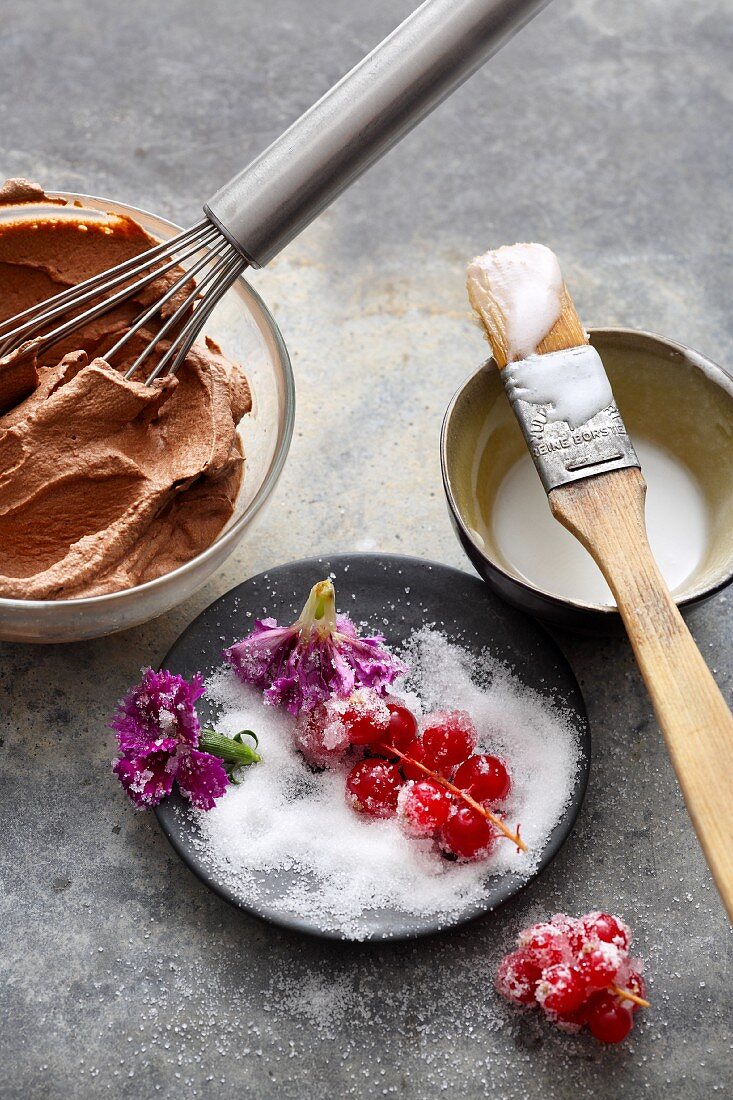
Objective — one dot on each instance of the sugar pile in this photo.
(283, 818)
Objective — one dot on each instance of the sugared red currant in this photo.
(366, 718)
(416, 751)
(401, 730)
(598, 963)
(448, 738)
(569, 926)
(372, 787)
(609, 1021)
(467, 834)
(561, 989)
(484, 777)
(574, 1021)
(321, 736)
(516, 979)
(573, 929)
(545, 944)
(423, 807)
(610, 929)
(586, 974)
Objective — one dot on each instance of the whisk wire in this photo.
(103, 277)
(107, 304)
(181, 346)
(39, 316)
(222, 259)
(207, 278)
(158, 305)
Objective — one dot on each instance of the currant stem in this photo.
(515, 837)
(627, 995)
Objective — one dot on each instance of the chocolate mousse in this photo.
(104, 483)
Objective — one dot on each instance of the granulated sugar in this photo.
(286, 837)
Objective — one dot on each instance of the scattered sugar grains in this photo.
(282, 817)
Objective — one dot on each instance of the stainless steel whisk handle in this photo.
(408, 74)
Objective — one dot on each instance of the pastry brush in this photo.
(561, 396)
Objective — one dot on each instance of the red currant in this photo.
(366, 718)
(416, 751)
(484, 777)
(321, 736)
(448, 738)
(545, 944)
(599, 963)
(569, 927)
(561, 989)
(467, 834)
(372, 787)
(578, 1018)
(603, 926)
(401, 731)
(516, 979)
(423, 807)
(608, 1020)
(574, 931)
(413, 750)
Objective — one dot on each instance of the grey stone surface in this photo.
(603, 129)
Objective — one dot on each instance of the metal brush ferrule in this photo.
(565, 408)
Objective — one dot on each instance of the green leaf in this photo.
(246, 733)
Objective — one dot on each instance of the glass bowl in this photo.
(248, 334)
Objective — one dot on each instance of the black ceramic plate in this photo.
(457, 603)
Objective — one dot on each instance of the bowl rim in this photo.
(710, 369)
(276, 466)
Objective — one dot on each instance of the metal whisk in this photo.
(217, 269)
(260, 210)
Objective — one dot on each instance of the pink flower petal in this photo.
(202, 778)
(316, 658)
(162, 705)
(148, 779)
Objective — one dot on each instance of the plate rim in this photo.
(509, 886)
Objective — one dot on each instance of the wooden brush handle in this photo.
(606, 513)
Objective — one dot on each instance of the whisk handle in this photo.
(436, 48)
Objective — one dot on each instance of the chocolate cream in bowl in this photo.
(104, 483)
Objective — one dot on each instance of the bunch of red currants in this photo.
(580, 973)
(419, 772)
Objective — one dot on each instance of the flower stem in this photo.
(627, 995)
(319, 611)
(232, 750)
(515, 837)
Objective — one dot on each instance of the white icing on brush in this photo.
(526, 284)
(572, 384)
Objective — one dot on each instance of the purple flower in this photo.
(160, 739)
(148, 776)
(319, 656)
(158, 713)
(201, 778)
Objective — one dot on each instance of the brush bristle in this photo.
(522, 303)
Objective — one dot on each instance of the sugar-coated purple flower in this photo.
(318, 657)
(148, 777)
(161, 741)
(201, 777)
(158, 710)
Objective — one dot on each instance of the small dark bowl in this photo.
(667, 393)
